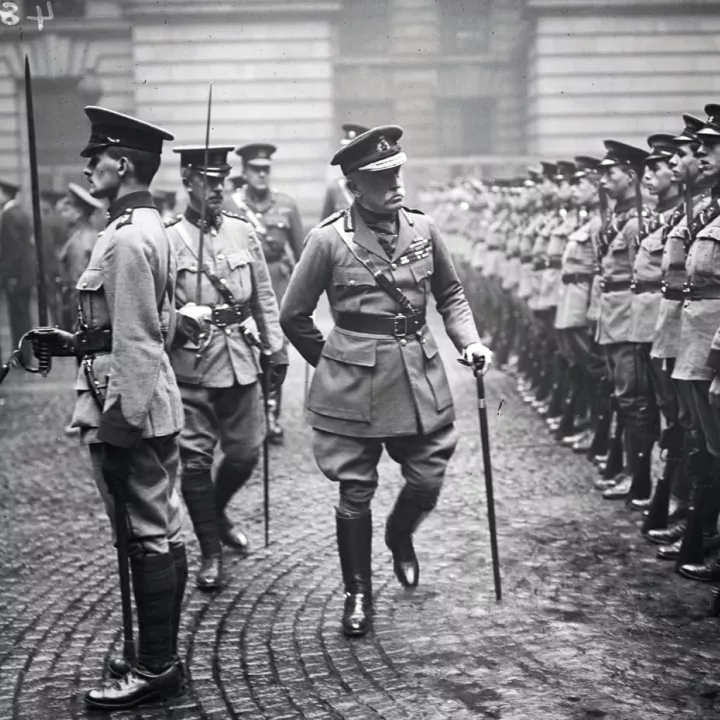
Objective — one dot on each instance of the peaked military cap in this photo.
(192, 157)
(565, 170)
(115, 129)
(693, 125)
(259, 154)
(585, 165)
(620, 153)
(661, 145)
(534, 172)
(351, 131)
(9, 186)
(711, 128)
(237, 180)
(549, 169)
(80, 194)
(372, 151)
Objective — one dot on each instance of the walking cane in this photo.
(487, 465)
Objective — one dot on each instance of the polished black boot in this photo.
(702, 521)
(354, 540)
(120, 666)
(615, 461)
(603, 414)
(231, 478)
(199, 495)
(157, 676)
(409, 511)
(659, 508)
(641, 485)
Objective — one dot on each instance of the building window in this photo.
(466, 26)
(363, 28)
(466, 126)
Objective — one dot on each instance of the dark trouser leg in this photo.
(231, 478)
(20, 318)
(423, 460)
(178, 555)
(199, 494)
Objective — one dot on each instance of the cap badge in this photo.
(383, 145)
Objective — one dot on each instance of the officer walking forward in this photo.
(128, 407)
(379, 379)
(216, 355)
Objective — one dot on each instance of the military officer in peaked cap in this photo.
(128, 408)
(622, 170)
(217, 351)
(379, 379)
(276, 220)
(338, 197)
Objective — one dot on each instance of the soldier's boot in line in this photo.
(119, 666)
(659, 507)
(276, 434)
(199, 494)
(157, 677)
(566, 426)
(409, 511)
(231, 477)
(558, 389)
(602, 415)
(701, 532)
(354, 540)
(612, 468)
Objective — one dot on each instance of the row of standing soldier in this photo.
(598, 281)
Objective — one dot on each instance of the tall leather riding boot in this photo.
(157, 676)
(641, 486)
(560, 388)
(230, 478)
(354, 540)
(119, 666)
(615, 461)
(702, 521)
(603, 413)
(409, 511)
(682, 484)
(658, 512)
(572, 394)
(199, 494)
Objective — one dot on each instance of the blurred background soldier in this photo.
(276, 220)
(76, 209)
(55, 233)
(216, 356)
(165, 203)
(338, 197)
(17, 262)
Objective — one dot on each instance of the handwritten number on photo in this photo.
(40, 17)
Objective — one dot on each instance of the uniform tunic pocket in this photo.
(342, 385)
(350, 285)
(92, 298)
(240, 264)
(435, 373)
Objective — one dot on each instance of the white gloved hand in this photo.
(250, 330)
(193, 320)
(474, 352)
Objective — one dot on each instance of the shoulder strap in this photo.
(366, 261)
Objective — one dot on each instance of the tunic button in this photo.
(403, 342)
(394, 266)
(220, 256)
(228, 331)
(352, 283)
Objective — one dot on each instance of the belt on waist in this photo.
(97, 340)
(673, 293)
(399, 326)
(554, 263)
(607, 286)
(224, 315)
(525, 260)
(706, 292)
(571, 278)
(646, 287)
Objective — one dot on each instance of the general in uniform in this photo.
(379, 379)
(276, 220)
(217, 353)
(128, 407)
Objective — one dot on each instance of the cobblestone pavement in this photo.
(590, 625)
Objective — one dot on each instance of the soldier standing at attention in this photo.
(17, 261)
(76, 209)
(338, 197)
(128, 408)
(379, 378)
(276, 220)
(216, 355)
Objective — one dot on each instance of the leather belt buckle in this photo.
(222, 316)
(400, 326)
